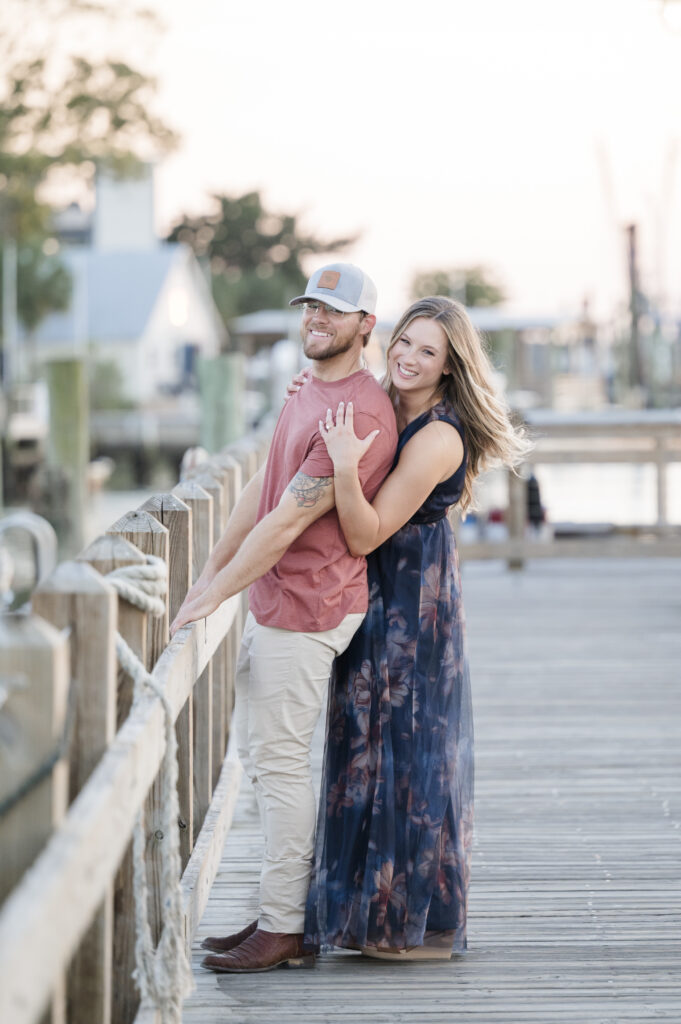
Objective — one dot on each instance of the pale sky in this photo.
(445, 132)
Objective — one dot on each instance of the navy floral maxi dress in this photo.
(392, 855)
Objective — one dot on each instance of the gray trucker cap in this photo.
(341, 285)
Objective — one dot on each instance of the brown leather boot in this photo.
(262, 951)
(226, 942)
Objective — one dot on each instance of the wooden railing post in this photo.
(233, 477)
(34, 673)
(35, 681)
(661, 480)
(76, 597)
(517, 516)
(221, 389)
(263, 440)
(251, 452)
(201, 505)
(69, 442)
(174, 514)
(106, 554)
(246, 458)
(151, 537)
(211, 480)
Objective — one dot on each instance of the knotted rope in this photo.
(143, 585)
(164, 977)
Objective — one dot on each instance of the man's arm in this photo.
(239, 525)
(241, 521)
(305, 500)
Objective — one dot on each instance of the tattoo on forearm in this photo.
(308, 490)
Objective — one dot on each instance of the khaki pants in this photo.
(281, 682)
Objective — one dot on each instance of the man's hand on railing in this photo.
(199, 587)
(200, 602)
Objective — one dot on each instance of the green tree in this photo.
(61, 114)
(254, 255)
(474, 286)
(43, 284)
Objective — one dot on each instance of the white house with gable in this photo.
(138, 303)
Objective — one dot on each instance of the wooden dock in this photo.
(575, 904)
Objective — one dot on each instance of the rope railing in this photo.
(126, 789)
(163, 976)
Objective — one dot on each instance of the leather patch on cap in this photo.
(329, 279)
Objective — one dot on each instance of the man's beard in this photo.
(332, 352)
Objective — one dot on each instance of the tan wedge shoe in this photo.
(436, 946)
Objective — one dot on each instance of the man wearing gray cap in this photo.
(307, 597)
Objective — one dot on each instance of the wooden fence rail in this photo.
(610, 437)
(78, 760)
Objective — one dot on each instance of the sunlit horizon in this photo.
(524, 139)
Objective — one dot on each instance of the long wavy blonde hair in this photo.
(491, 438)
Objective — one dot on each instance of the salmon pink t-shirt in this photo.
(317, 582)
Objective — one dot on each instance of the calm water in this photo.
(617, 494)
(608, 493)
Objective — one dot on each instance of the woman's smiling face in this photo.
(418, 358)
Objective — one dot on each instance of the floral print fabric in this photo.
(395, 821)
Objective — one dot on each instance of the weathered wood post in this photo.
(76, 597)
(262, 442)
(517, 516)
(232, 475)
(201, 505)
(249, 458)
(69, 441)
(661, 481)
(106, 554)
(34, 675)
(246, 454)
(151, 538)
(174, 514)
(210, 479)
(222, 383)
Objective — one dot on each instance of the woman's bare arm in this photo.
(432, 455)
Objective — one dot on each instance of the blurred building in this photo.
(140, 309)
(545, 360)
(552, 361)
(255, 333)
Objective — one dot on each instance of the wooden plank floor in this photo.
(575, 904)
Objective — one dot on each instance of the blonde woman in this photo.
(393, 845)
